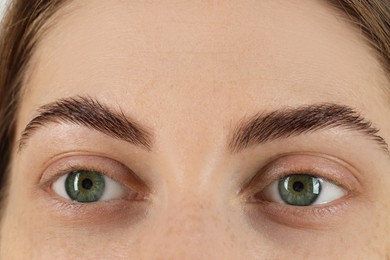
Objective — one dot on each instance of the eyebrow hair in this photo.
(88, 112)
(289, 122)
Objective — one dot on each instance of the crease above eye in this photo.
(71, 189)
(117, 181)
(339, 179)
(335, 179)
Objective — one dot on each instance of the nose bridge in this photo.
(190, 222)
(194, 213)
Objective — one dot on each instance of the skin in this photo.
(189, 72)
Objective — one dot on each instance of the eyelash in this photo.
(308, 216)
(257, 182)
(74, 213)
(300, 172)
(69, 169)
(311, 216)
(119, 174)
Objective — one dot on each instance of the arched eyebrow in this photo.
(288, 122)
(259, 129)
(90, 113)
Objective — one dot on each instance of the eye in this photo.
(302, 190)
(87, 186)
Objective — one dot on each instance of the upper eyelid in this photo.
(340, 176)
(266, 193)
(112, 169)
(311, 172)
(71, 169)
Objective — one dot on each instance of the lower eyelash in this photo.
(312, 217)
(97, 214)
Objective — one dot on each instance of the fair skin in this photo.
(189, 72)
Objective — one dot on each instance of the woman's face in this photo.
(200, 129)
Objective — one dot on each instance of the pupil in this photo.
(298, 186)
(87, 184)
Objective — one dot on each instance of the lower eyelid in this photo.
(313, 217)
(103, 213)
(316, 216)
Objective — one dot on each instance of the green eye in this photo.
(85, 186)
(299, 189)
(88, 185)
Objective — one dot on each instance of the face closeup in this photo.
(200, 130)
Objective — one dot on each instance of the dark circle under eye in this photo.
(85, 186)
(299, 189)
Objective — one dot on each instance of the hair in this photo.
(25, 22)
(21, 28)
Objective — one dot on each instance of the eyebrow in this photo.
(90, 113)
(289, 122)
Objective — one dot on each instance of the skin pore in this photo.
(191, 76)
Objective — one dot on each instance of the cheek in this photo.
(377, 228)
(187, 227)
(20, 232)
(192, 229)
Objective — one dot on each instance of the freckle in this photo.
(215, 218)
(170, 231)
(377, 224)
(330, 250)
(138, 242)
(232, 237)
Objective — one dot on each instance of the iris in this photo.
(299, 189)
(85, 186)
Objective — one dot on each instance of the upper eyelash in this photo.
(320, 176)
(70, 169)
(254, 188)
(310, 172)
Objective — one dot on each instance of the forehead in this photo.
(204, 55)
